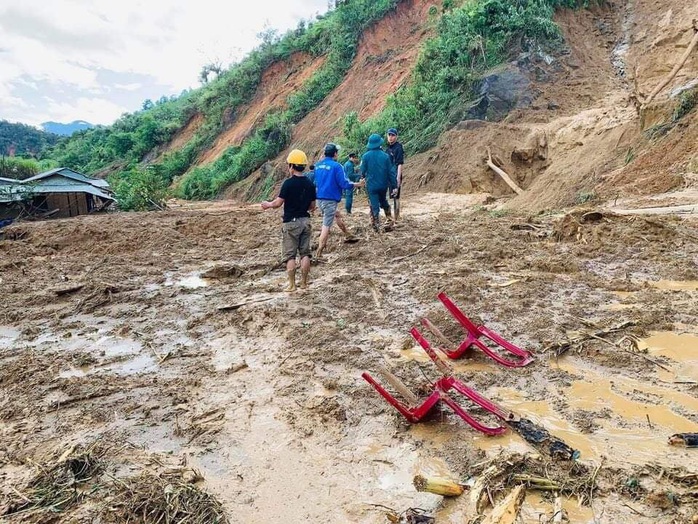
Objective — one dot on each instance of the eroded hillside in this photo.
(575, 131)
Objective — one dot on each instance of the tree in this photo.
(214, 68)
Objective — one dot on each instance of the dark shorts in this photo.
(295, 238)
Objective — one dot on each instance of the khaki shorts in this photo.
(295, 238)
(329, 211)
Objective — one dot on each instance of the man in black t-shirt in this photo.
(397, 155)
(297, 195)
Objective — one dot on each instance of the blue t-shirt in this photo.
(330, 180)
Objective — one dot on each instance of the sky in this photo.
(93, 60)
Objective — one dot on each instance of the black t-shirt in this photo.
(298, 193)
(397, 155)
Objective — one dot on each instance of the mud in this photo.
(266, 401)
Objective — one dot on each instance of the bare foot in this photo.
(290, 289)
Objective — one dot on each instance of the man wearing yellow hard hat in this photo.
(297, 195)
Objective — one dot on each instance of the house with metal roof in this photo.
(59, 192)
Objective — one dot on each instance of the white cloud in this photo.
(64, 44)
(128, 87)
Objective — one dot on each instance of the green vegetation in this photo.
(336, 35)
(585, 196)
(22, 140)
(470, 40)
(21, 168)
(471, 37)
(141, 189)
(687, 101)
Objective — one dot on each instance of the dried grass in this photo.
(58, 484)
(164, 498)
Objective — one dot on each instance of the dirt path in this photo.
(266, 401)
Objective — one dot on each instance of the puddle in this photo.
(627, 434)
(680, 347)
(536, 509)
(193, 281)
(74, 372)
(139, 364)
(461, 365)
(624, 294)
(676, 285)
(116, 346)
(8, 336)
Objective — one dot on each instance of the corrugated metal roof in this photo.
(69, 173)
(13, 192)
(17, 192)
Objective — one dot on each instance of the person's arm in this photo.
(342, 180)
(312, 206)
(399, 160)
(392, 179)
(273, 204)
(278, 201)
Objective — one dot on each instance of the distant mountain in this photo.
(66, 129)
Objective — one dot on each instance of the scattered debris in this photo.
(411, 516)
(438, 486)
(689, 440)
(168, 497)
(238, 305)
(513, 185)
(507, 511)
(541, 439)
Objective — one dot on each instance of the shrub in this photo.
(140, 189)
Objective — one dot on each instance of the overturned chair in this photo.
(414, 409)
(474, 338)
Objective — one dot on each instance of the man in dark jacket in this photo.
(397, 156)
(352, 176)
(297, 195)
(377, 169)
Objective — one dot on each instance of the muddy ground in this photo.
(113, 347)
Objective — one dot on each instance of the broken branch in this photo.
(502, 174)
(507, 511)
(676, 69)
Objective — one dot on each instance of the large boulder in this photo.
(500, 92)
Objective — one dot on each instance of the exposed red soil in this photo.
(384, 60)
(277, 83)
(183, 136)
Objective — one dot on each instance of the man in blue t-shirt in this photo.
(297, 195)
(352, 176)
(330, 182)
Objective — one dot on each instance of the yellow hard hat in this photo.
(297, 157)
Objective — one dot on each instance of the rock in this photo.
(501, 92)
(223, 271)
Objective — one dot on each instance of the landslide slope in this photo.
(574, 131)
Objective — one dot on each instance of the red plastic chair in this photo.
(474, 334)
(414, 410)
